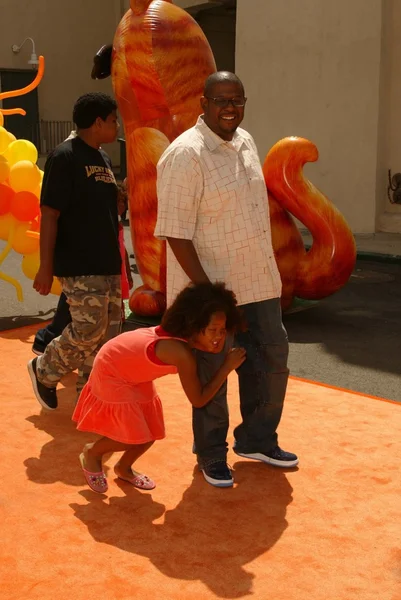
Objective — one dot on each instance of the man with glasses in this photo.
(213, 211)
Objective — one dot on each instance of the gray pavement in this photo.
(381, 246)
(351, 339)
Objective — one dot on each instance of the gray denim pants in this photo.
(262, 385)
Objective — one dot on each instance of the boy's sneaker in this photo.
(46, 396)
(218, 474)
(276, 457)
(38, 349)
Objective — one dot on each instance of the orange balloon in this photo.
(56, 287)
(21, 150)
(4, 168)
(5, 139)
(22, 243)
(37, 191)
(35, 225)
(30, 266)
(25, 206)
(6, 196)
(6, 222)
(24, 176)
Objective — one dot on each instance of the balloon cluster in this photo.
(20, 186)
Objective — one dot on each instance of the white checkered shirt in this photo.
(213, 192)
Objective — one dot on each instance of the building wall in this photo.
(389, 139)
(218, 25)
(312, 69)
(328, 71)
(189, 3)
(67, 34)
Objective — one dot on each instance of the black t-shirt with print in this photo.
(78, 182)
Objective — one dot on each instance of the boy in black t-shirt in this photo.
(79, 245)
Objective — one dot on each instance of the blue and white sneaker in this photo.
(276, 457)
(46, 396)
(218, 474)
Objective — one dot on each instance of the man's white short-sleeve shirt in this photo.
(213, 192)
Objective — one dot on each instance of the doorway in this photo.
(218, 22)
(26, 127)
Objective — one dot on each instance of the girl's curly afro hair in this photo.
(194, 306)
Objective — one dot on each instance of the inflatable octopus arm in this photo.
(159, 62)
(329, 263)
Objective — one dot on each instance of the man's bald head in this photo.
(221, 77)
(223, 103)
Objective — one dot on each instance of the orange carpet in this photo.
(329, 530)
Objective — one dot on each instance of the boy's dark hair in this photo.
(193, 308)
(91, 106)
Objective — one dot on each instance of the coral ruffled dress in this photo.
(119, 400)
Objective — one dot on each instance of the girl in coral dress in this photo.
(120, 402)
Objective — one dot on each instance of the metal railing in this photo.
(46, 135)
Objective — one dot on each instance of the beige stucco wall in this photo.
(189, 3)
(329, 71)
(312, 69)
(68, 34)
(389, 143)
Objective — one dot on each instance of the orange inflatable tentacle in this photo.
(28, 88)
(127, 101)
(329, 263)
(160, 61)
(13, 111)
(144, 148)
(139, 58)
(139, 7)
(288, 248)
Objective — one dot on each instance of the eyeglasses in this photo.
(224, 102)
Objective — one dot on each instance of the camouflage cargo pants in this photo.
(95, 307)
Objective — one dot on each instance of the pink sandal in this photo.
(142, 482)
(96, 481)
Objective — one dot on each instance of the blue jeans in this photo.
(262, 385)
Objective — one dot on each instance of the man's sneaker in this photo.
(276, 457)
(46, 396)
(218, 474)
